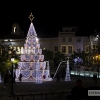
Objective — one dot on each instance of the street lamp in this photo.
(12, 60)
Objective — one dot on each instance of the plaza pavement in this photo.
(30, 87)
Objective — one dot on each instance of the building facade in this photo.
(66, 41)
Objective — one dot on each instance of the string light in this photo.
(31, 17)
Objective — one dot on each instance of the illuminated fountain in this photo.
(32, 66)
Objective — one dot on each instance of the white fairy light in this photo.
(37, 39)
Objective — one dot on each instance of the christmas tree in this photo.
(32, 66)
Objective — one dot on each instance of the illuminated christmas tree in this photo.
(32, 65)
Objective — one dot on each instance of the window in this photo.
(70, 40)
(22, 50)
(87, 49)
(78, 40)
(66, 30)
(79, 49)
(69, 49)
(95, 46)
(63, 49)
(63, 39)
(14, 29)
(9, 51)
(18, 48)
(14, 48)
(56, 48)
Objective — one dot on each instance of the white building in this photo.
(66, 41)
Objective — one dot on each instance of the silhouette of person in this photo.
(20, 77)
(95, 78)
(78, 92)
(58, 77)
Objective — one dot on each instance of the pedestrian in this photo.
(95, 78)
(52, 75)
(58, 77)
(78, 92)
(20, 77)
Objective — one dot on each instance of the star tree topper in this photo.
(31, 17)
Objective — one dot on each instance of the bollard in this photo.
(30, 95)
(52, 93)
(41, 94)
(59, 95)
(62, 92)
(22, 97)
(46, 96)
(33, 96)
(17, 98)
(14, 96)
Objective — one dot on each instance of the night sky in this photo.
(50, 16)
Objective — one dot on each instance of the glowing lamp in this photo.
(12, 59)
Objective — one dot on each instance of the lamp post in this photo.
(12, 60)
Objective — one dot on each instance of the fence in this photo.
(31, 96)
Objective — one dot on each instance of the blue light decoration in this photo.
(32, 65)
(78, 60)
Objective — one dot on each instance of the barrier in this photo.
(32, 95)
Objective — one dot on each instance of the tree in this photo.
(6, 52)
(58, 57)
(48, 56)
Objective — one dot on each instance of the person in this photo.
(20, 77)
(52, 75)
(58, 77)
(43, 76)
(78, 92)
(95, 78)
